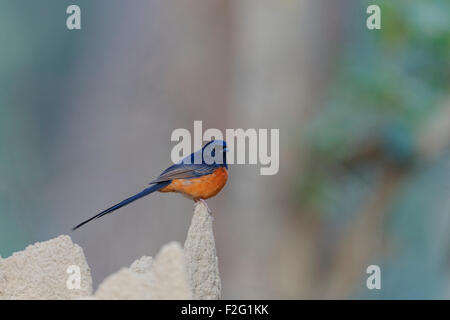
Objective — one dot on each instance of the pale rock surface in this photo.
(40, 271)
(2, 283)
(171, 279)
(143, 265)
(201, 256)
(125, 285)
(164, 278)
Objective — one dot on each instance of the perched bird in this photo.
(199, 176)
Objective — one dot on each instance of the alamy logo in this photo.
(258, 145)
(73, 21)
(373, 21)
(74, 280)
(374, 280)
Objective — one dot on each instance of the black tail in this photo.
(141, 194)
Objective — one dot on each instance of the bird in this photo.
(199, 176)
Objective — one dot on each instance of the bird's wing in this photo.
(184, 171)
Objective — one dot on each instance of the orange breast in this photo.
(200, 188)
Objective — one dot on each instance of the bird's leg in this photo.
(204, 202)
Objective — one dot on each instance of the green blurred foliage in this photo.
(387, 84)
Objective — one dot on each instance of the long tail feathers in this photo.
(141, 194)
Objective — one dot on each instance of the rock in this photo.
(40, 271)
(143, 265)
(201, 256)
(165, 278)
(43, 270)
(2, 283)
(171, 279)
(125, 285)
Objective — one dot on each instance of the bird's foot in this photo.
(204, 202)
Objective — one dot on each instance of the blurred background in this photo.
(364, 118)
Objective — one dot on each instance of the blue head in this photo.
(215, 152)
(212, 153)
